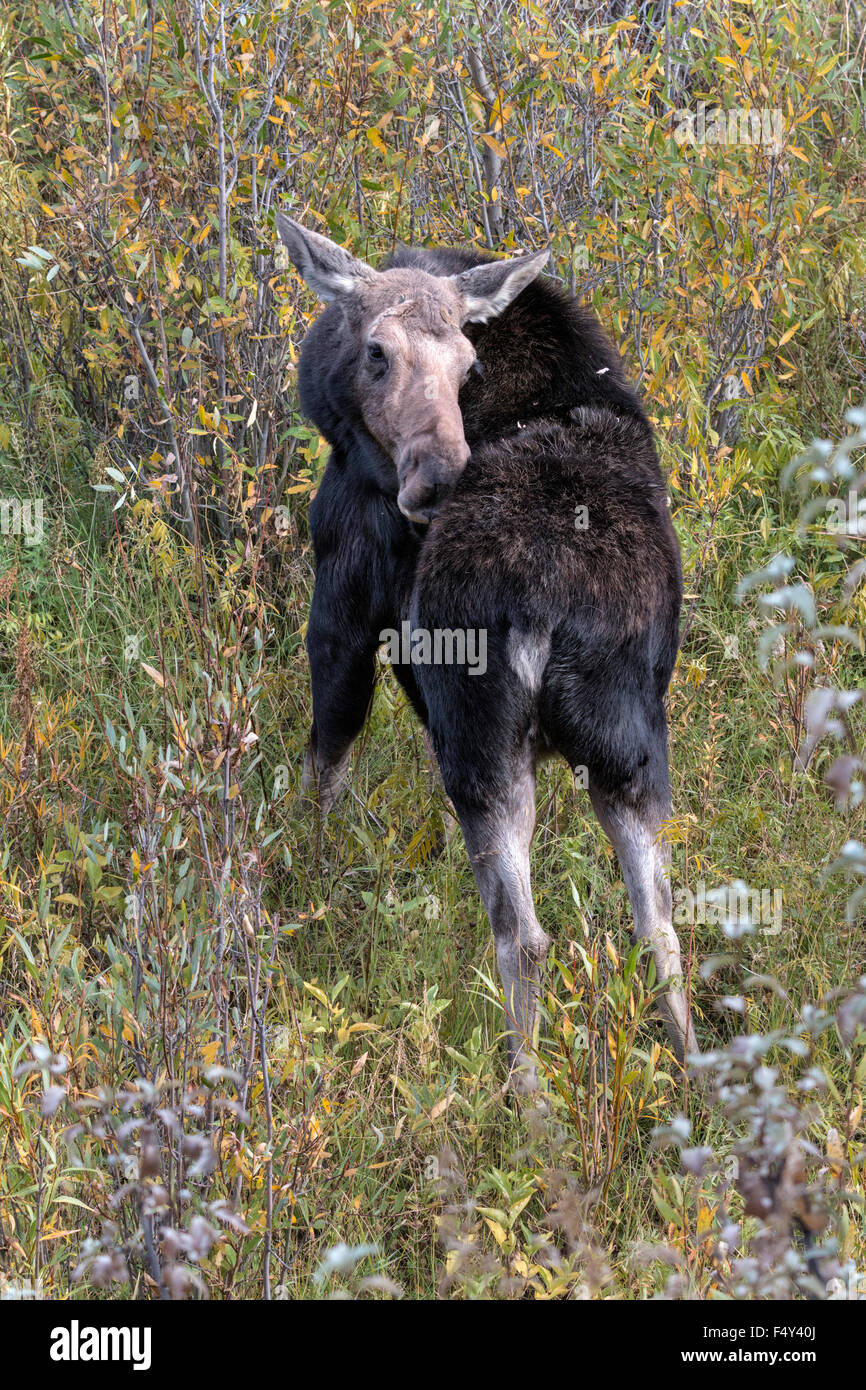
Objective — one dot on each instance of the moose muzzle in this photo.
(426, 474)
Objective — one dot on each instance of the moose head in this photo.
(407, 354)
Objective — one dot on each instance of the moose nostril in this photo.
(419, 496)
(407, 465)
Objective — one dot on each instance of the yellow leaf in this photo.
(705, 1219)
(835, 1153)
(376, 140)
(359, 1065)
(442, 1105)
(317, 994)
(517, 1207)
(786, 337)
(499, 1233)
(494, 145)
(156, 676)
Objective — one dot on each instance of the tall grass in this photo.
(243, 1054)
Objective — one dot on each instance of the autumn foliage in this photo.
(241, 1055)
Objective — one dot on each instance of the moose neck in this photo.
(543, 358)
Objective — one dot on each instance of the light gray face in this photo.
(413, 363)
(412, 356)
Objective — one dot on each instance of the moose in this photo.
(492, 470)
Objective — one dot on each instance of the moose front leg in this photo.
(343, 671)
(324, 782)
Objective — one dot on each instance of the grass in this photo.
(244, 1055)
(314, 1009)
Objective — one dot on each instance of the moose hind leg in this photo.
(498, 836)
(644, 858)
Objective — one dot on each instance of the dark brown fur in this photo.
(581, 620)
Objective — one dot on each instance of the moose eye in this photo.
(376, 353)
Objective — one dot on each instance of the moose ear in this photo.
(326, 267)
(488, 289)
